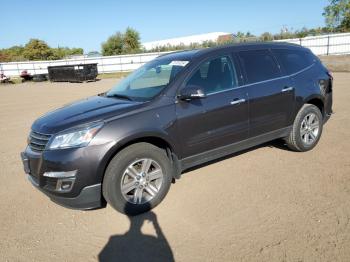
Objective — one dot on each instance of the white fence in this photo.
(334, 44)
(320, 45)
(105, 64)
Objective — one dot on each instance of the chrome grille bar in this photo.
(38, 141)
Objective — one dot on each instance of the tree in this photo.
(14, 53)
(74, 51)
(4, 57)
(248, 34)
(62, 52)
(131, 41)
(37, 49)
(240, 34)
(266, 36)
(122, 43)
(113, 45)
(302, 33)
(337, 15)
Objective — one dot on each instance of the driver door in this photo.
(219, 119)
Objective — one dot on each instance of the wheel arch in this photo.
(153, 138)
(316, 101)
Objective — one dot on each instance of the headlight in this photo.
(75, 138)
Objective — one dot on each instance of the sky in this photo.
(87, 23)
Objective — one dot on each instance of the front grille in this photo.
(38, 141)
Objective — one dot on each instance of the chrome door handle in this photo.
(238, 101)
(287, 89)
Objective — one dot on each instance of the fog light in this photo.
(65, 185)
(61, 174)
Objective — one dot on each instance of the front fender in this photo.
(145, 136)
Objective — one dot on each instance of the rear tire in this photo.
(137, 179)
(307, 129)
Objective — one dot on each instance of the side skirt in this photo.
(216, 153)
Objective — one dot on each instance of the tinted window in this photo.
(215, 75)
(259, 65)
(294, 60)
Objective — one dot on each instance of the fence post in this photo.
(121, 66)
(328, 37)
(102, 67)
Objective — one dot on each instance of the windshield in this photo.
(147, 81)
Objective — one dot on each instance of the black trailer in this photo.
(73, 73)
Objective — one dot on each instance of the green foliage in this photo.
(113, 45)
(14, 53)
(62, 52)
(266, 36)
(37, 49)
(131, 41)
(337, 15)
(122, 43)
(4, 57)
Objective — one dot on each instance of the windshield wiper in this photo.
(125, 97)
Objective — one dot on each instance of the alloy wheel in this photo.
(309, 130)
(141, 181)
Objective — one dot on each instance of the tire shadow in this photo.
(136, 246)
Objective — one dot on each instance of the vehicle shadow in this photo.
(136, 246)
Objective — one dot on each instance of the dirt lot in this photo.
(337, 63)
(266, 204)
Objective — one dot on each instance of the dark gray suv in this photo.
(127, 145)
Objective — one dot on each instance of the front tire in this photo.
(137, 179)
(307, 129)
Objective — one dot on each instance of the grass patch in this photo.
(113, 75)
(13, 80)
(16, 80)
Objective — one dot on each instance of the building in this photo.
(186, 40)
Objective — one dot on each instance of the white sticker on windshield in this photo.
(179, 63)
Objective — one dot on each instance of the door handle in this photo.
(287, 89)
(237, 101)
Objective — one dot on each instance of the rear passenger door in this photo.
(271, 95)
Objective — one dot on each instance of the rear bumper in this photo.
(89, 197)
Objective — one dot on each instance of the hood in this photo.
(81, 112)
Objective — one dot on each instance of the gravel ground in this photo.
(265, 204)
(337, 63)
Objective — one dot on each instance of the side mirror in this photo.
(191, 92)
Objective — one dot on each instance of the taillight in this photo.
(329, 73)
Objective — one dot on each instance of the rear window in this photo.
(259, 65)
(294, 60)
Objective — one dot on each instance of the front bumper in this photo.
(89, 197)
(85, 190)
